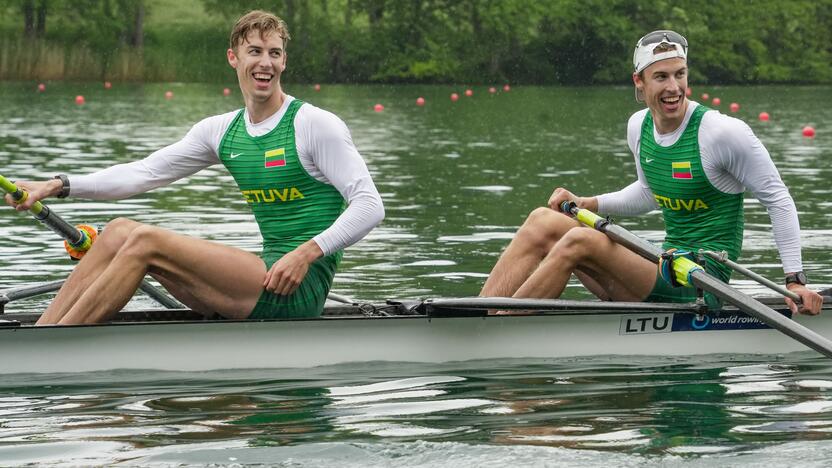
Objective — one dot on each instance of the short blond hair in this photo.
(261, 21)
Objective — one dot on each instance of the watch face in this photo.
(799, 278)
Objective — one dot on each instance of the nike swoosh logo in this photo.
(233, 155)
(647, 160)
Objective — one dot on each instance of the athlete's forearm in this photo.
(162, 167)
(634, 199)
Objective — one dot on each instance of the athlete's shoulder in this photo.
(216, 123)
(637, 118)
(719, 125)
(316, 115)
(320, 123)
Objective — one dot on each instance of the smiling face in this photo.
(663, 86)
(259, 61)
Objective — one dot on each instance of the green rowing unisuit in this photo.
(696, 214)
(289, 205)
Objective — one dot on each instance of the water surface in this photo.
(457, 180)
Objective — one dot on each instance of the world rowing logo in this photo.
(698, 324)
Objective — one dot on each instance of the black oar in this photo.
(76, 239)
(687, 271)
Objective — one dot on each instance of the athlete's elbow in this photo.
(377, 215)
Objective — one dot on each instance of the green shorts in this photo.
(664, 292)
(307, 301)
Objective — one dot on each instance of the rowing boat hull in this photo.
(210, 345)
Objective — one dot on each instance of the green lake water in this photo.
(457, 180)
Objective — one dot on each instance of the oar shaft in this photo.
(705, 282)
(753, 307)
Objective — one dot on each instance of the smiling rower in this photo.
(694, 164)
(296, 167)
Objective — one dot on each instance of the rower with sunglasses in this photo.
(694, 164)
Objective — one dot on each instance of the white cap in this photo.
(646, 55)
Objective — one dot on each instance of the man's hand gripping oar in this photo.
(77, 240)
(687, 272)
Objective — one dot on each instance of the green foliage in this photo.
(522, 41)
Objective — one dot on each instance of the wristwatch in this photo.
(798, 277)
(65, 188)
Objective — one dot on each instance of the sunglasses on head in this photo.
(656, 37)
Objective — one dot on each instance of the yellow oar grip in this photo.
(7, 185)
(19, 195)
(587, 217)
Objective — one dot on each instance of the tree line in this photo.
(425, 41)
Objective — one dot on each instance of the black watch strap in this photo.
(798, 277)
(65, 188)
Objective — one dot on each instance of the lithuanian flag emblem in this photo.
(681, 170)
(277, 158)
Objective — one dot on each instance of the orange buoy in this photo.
(454, 97)
(226, 91)
(378, 108)
(506, 88)
(716, 101)
(80, 100)
(168, 95)
(492, 90)
(317, 87)
(705, 96)
(764, 116)
(734, 107)
(420, 101)
(469, 92)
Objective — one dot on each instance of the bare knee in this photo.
(543, 228)
(142, 241)
(115, 233)
(578, 246)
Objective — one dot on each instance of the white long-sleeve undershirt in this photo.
(325, 150)
(733, 159)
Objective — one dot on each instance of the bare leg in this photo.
(621, 274)
(533, 241)
(89, 268)
(226, 280)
